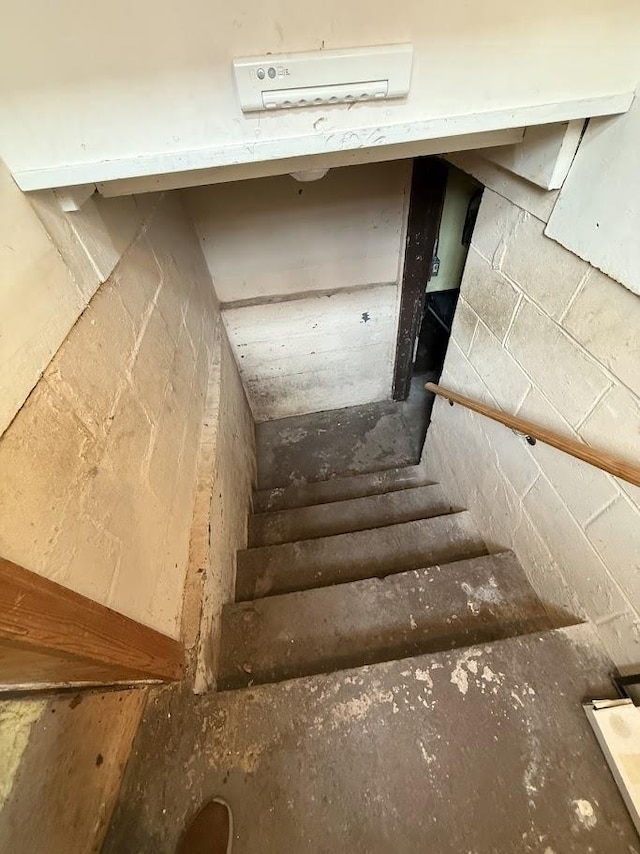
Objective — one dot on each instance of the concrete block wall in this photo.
(139, 411)
(98, 466)
(51, 264)
(541, 333)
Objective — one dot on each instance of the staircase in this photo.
(388, 685)
(365, 569)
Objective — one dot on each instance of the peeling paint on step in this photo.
(488, 593)
(585, 814)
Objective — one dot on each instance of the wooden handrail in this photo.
(616, 466)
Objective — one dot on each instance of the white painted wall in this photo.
(450, 250)
(541, 333)
(598, 211)
(297, 267)
(277, 236)
(39, 300)
(101, 84)
(315, 353)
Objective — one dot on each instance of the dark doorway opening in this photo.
(443, 208)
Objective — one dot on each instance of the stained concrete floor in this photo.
(340, 442)
(481, 751)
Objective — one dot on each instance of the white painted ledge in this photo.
(544, 156)
(329, 160)
(370, 139)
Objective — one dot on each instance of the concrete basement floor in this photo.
(359, 439)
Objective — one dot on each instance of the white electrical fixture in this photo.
(307, 175)
(323, 77)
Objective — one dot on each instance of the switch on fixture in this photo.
(323, 77)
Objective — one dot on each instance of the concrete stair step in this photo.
(380, 619)
(483, 749)
(288, 567)
(353, 514)
(338, 489)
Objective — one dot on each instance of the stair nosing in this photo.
(359, 531)
(533, 632)
(344, 500)
(309, 590)
(253, 570)
(451, 512)
(346, 478)
(531, 619)
(339, 500)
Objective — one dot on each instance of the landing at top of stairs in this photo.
(483, 750)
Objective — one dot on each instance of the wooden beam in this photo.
(78, 639)
(428, 187)
(617, 466)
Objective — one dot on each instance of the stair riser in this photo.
(339, 489)
(366, 622)
(341, 517)
(379, 652)
(351, 557)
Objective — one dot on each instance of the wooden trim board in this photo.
(50, 634)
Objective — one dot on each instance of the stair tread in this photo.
(336, 489)
(348, 515)
(287, 567)
(363, 622)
